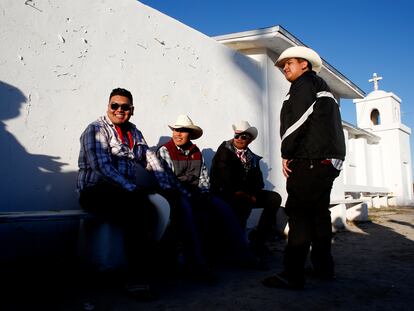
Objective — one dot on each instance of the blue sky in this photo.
(358, 38)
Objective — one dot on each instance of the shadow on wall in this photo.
(208, 155)
(250, 69)
(161, 141)
(266, 172)
(29, 181)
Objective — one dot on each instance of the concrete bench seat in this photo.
(349, 209)
(161, 205)
(348, 201)
(100, 243)
(48, 215)
(358, 201)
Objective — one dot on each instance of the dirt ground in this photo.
(374, 265)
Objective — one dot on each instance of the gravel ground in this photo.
(374, 265)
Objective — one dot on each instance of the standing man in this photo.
(111, 149)
(313, 150)
(237, 178)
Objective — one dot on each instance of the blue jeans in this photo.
(184, 229)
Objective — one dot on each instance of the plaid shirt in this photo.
(103, 157)
(204, 180)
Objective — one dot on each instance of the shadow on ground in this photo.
(374, 263)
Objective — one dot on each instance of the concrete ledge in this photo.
(338, 216)
(349, 210)
(348, 201)
(357, 212)
(51, 215)
(365, 188)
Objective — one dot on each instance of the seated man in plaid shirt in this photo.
(111, 149)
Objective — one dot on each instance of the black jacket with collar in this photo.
(228, 175)
(321, 135)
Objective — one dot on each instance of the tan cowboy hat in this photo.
(184, 122)
(300, 52)
(244, 127)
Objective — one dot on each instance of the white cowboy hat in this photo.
(244, 127)
(300, 52)
(184, 122)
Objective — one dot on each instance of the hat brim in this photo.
(300, 52)
(316, 66)
(196, 132)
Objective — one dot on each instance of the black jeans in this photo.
(309, 187)
(270, 202)
(133, 212)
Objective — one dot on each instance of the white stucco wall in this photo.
(375, 166)
(396, 154)
(361, 160)
(58, 63)
(274, 90)
(278, 87)
(349, 164)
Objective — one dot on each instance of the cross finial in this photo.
(375, 79)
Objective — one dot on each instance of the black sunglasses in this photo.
(182, 130)
(124, 107)
(242, 136)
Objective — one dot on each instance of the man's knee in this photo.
(96, 198)
(270, 200)
(276, 199)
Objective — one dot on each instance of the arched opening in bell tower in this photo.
(375, 117)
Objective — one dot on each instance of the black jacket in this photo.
(228, 174)
(320, 136)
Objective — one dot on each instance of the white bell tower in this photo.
(378, 109)
(380, 112)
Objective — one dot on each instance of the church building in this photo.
(378, 168)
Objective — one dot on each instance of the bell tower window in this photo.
(375, 117)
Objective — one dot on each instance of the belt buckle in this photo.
(326, 162)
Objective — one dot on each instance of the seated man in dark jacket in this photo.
(237, 178)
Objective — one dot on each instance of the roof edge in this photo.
(280, 32)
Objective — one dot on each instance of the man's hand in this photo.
(285, 167)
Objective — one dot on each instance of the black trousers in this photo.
(270, 202)
(309, 188)
(133, 212)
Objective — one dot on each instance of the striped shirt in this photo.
(337, 163)
(103, 157)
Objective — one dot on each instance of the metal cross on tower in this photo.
(375, 79)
